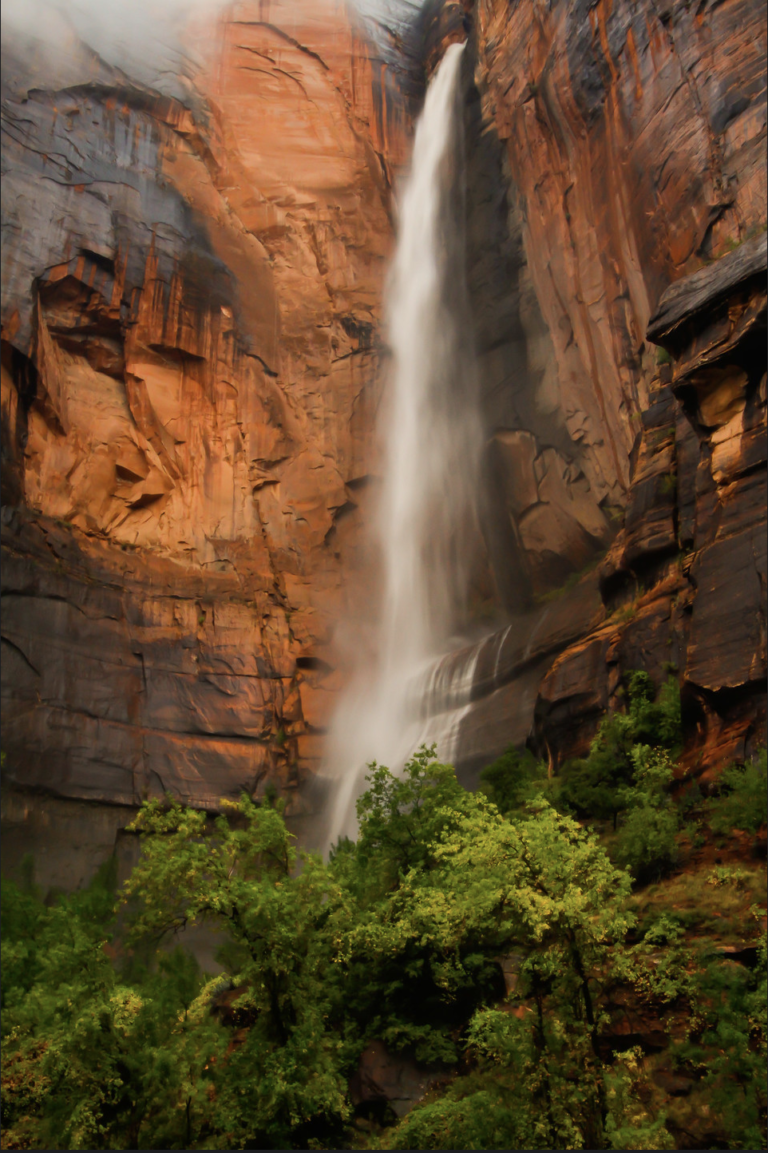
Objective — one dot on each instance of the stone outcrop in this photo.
(616, 203)
(612, 148)
(383, 1078)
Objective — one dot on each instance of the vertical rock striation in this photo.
(617, 172)
(192, 277)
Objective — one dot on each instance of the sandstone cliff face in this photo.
(191, 299)
(616, 150)
(632, 150)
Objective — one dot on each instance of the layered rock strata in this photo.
(192, 279)
(682, 590)
(615, 171)
(612, 148)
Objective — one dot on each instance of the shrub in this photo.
(646, 843)
(728, 875)
(726, 1045)
(596, 786)
(743, 801)
(512, 779)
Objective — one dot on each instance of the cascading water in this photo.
(431, 450)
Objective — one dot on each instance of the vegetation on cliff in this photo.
(114, 1040)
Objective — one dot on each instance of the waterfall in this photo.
(431, 437)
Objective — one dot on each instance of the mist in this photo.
(152, 42)
(140, 38)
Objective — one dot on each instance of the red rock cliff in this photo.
(617, 201)
(191, 300)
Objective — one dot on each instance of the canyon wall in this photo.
(192, 282)
(616, 169)
(192, 360)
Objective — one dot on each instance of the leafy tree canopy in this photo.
(481, 943)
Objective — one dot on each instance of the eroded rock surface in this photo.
(192, 362)
(613, 148)
(192, 287)
(682, 590)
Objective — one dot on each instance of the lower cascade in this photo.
(432, 440)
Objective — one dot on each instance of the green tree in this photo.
(727, 1040)
(397, 992)
(481, 887)
(90, 1061)
(287, 926)
(512, 779)
(743, 799)
(647, 842)
(595, 786)
(115, 1040)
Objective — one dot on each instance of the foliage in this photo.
(726, 1043)
(629, 1125)
(401, 818)
(481, 1111)
(512, 779)
(286, 925)
(398, 984)
(700, 907)
(598, 785)
(88, 1060)
(114, 1039)
(484, 886)
(647, 843)
(728, 875)
(743, 800)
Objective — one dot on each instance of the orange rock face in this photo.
(190, 375)
(632, 152)
(615, 170)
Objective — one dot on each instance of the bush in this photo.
(597, 785)
(512, 779)
(743, 801)
(727, 1043)
(646, 844)
(491, 1117)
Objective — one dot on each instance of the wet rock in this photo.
(673, 1084)
(697, 293)
(396, 1079)
(491, 724)
(727, 629)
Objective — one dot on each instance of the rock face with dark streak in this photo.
(192, 287)
(612, 149)
(682, 590)
(616, 193)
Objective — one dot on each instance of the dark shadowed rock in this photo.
(394, 1079)
(707, 286)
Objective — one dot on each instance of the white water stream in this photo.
(432, 438)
